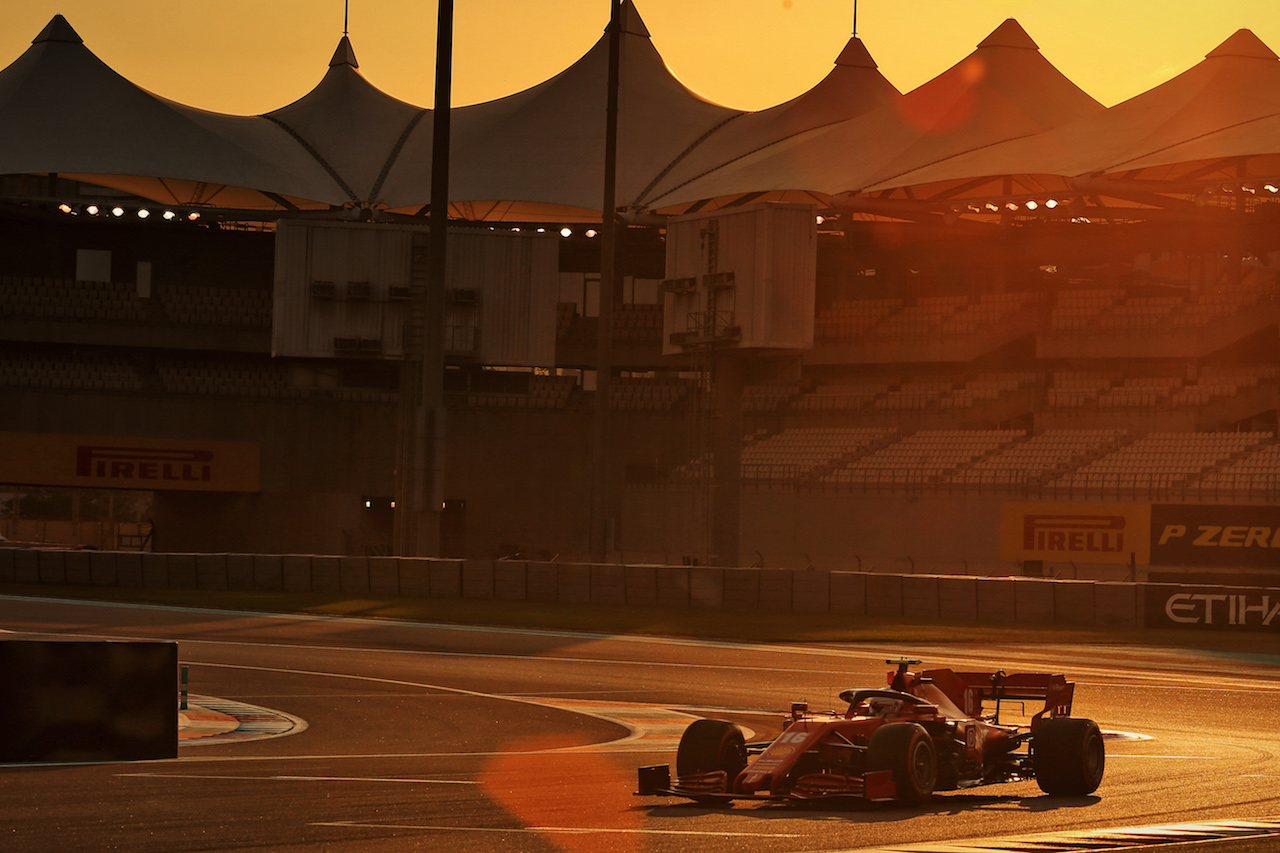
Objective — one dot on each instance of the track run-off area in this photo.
(376, 735)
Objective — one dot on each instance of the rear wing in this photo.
(968, 690)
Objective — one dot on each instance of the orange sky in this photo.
(248, 57)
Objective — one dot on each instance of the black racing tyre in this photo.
(1068, 756)
(906, 750)
(708, 745)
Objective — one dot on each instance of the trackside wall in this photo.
(950, 598)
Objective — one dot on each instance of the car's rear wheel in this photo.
(710, 745)
(1068, 756)
(907, 751)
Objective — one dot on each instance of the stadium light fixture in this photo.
(143, 213)
(92, 210)
(566, 232)
(117, 211)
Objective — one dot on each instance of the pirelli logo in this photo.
(117, 462)
(144, 464)
(1085, 533)
(1079, 533)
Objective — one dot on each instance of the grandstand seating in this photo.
(926, 457)
(1162, 461)
(217, 306)
(804, 451)
(643, 394)
(67, 299)
(225, 378)
(77, 371)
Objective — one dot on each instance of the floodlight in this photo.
(117, 211)
(566, 232)
(92, 210)
(143, 213)
(66, 208)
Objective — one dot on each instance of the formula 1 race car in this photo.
(937, 730)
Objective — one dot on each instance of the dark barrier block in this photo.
(884, 595)
(211, 571)
(706, 587)
(155, 571)
(102, 568)
(544, 581)
(920, 597)
(88, 701)
(958, 599)
(849, 593)
(1116, 605)
(268, 572)
(673, 586)
(240, 572)
(326, 574)
(996, 600)
(642, 586)
(477, 579)
(296, 572)
(77, 567)
(26, 566)
(182, 572)
(353, 574)
(741, 589)
(608, 585)
(384, 576)
(811, 591)
(1073, 603)
(1034, 600)
(511, 580)
(414, 576)
(7, 564)
(445, 578)
(573, 583)
(129, 571)
(53, 566)
(775, 589)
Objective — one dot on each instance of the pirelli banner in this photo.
(115, 462)
(1213, 535)
(1083, 533)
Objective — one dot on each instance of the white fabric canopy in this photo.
(1000, 122)
(352, 129)
(546, 145)
(854, 87)
(64, 111)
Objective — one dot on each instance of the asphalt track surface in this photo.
(431, 737)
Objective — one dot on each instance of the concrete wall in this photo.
(917, 597)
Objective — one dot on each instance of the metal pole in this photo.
(432, 412)
(603, 509)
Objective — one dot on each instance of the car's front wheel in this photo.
(907, 751)
(710, 745)
(1068, 756)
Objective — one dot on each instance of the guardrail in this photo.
(950, 598)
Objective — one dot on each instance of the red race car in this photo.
(936, 730)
